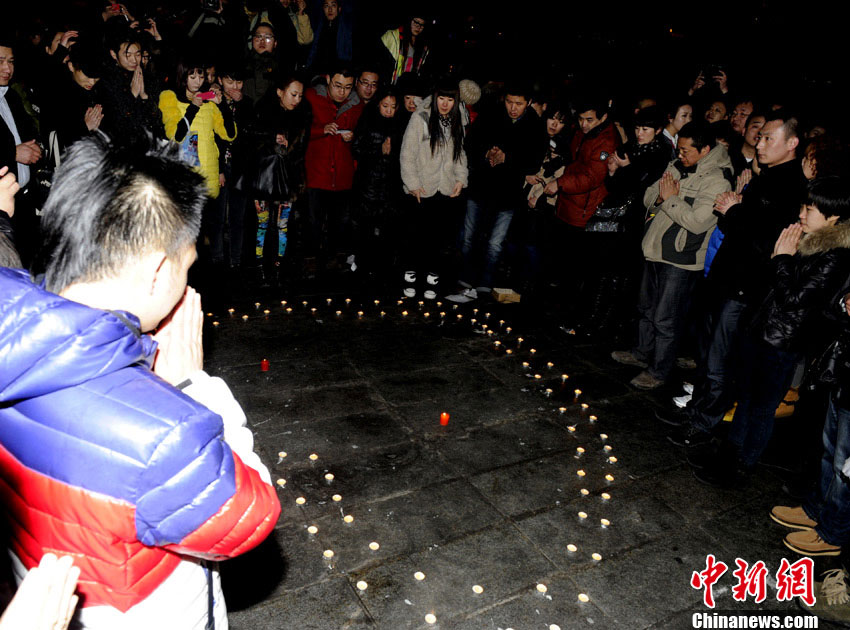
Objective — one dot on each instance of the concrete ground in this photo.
(493, 500)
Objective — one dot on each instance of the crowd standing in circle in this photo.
(704, 226)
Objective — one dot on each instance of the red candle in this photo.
(444, 418)
(264, 365)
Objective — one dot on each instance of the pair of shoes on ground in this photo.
(832, 597)
(627, 358)
(645, 380)
(806, 540)
(466, 294)
(432, 280)
(682, 401)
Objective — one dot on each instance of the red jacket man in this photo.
(336, 109)
(582, 186)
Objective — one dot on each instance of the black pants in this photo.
(432, 230)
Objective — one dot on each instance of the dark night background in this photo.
(788, 51)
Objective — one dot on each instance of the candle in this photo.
(605, 522)
(231, 310)
(439, 304)
(596, 557)
(419, 576)
(426, 314)
(582, 515)
(444, 418)
(281, 482)
(313, 310)
(454, 307)
(361, 585)
(404, 313)
(383, 314)
(472, 321)
(592, 418)
(519, 341)
(509, 351)
(281, 454)
(550, 365)
(585, 492)
(526, 364)
(541, 588)
(266, 312)
(312, 529)
(348, 518)
(283, 303)
(337, 498)
(475, 311)
(580, 450)
(584, 405)
(338, 313)
(607, 448)
(548, 392)
(329, 476)
(508, 330)
(477, 589)
(583, 598)
(399, 302)
(577, 392)
(289, 309)
(442, 314)
(486, 315)
(501, 323)
(256, 305)
(609, 477)
(264, 365)
(571, 428)
(215, 324)
(497, 343)
(329, 300)
(421, 303)
(537, 377)
(377, 302)
(348, 300)
(533, 351)
(572, 548)
(313, 457)
(562, 410)
(581, 473)
(612, 459)
(359, 314)
(603, 436)
(300, 500)
(564, 377)
(430, 619)
(605, 496)
(374, 546)
(459, 316)
(328, 553)
(489, 332)
(244, 318)
(304, 303)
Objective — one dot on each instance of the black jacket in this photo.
(524, 143)
(377, 181)
(791, 317)
(124, 115)
(236, 155)
(66, 114)
(771, 203)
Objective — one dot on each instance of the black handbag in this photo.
(609, 216)
(269, 181)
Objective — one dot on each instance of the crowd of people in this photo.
(709, 228)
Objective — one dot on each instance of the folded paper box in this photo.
(506, 296)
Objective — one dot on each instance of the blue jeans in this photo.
(665, 293)
(829, 503)
(485, 223)
(713, 393)
(764, 375)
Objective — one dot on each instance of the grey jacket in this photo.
(420, 169)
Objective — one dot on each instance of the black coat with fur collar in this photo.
(792, 316)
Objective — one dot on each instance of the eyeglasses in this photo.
(419, 23)
(371, 84)
(261, 38)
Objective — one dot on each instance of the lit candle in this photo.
(256, 305)
(329, 300)
(472, 321)
(337, 498)
(300, 500)
(266, 312)
(583, 598)
(612, 459)
(533, 351)
(348, 300)
(328, 553)
(399, 302)
(377, 302)
(584, 405)
(419, 576)
(475, 311)
(304, 303)
(439, 304)
(281, 482)
(459, 316)
(526, 364)
(605, 496)
(348, 518)
(338, 313)
(537, 377)
(519, 341)
(382, 314)
(313, 310)
(562, 410)
(283, 303)
(609, 477)
(281, 454)
(577, 392)
(489, 332)
(477, 589)
(404, 313)
(564, 377)
(582, 515)
(580, 450)
(454, 307)
(231, 310)
(509, 351)
(571, 428)
(550, 365)
(592, 418)
(215, 324)
(548, 392)
(289, 309)
(442, 314)
(584, 491)
(486, 315)
(329, 476)
(603, 436)
(426, 314)
(604, 522)
(497, 343)
(607, 447)
(361, 585)
(313, 457)
(581, 473)
(572, 548)
(501, 323)
(508, 330)
(244, 318)
(541, 588)
(313, 529)
(359, 314)
(374, 546)
(430, 619)
(596, 556)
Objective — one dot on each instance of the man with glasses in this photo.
(367, 85)
(262, 65)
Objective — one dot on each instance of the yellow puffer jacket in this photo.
(207, 123)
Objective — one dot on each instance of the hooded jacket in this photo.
(678, 232)
(102, 460)
(791, 318)
(330, 165)
(582, 186)
(434, 172)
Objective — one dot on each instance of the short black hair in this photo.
(831, 196)
(342, 69)
(268, 25)
(722, 130)
(700, 134)
(649, 117)
(117, 33)
(594, 104)
(111, 203)
(520, 87)
(790, 122)
(86, 58)
(185, 68)
(231, 70)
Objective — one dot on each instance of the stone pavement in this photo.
(494, 499)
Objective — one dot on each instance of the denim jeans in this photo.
(829, 503)
(665, 293)
(483, 222)
(713, 393)
(764, 375)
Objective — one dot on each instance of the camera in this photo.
(210, 5)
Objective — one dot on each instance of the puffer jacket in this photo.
(330, 165)
(102, 460)
(582, 186)
(791, 318)
(678, 232)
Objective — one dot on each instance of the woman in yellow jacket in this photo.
(193, 121)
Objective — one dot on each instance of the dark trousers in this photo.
(763, 376)
(432, 234)
(229, 220)
(663, 304)
(326, 225)
(714, 392)
(829, 503)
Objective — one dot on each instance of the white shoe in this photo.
(410, 276)
(688, 387)
(682, 401)
(467, 295)
(409, 292)
(432, 278)
(429, 294)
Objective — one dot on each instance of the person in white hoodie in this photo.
(434, 173)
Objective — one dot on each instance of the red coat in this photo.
(582, 186)
(329, 163)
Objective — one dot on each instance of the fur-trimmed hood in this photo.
(831, 237)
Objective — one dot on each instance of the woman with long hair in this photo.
(434, 173)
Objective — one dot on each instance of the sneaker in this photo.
(429, 294)
(350, 262)
(409, 292)
(686, 363)
(462, 297)
(809, 543)
(673, 417)
(688, 388)
(432, 279)
(682, 401)
(689, 436)
(627, 358)
(832, 597)
(410, 276)
(646, 381)
(793, 517)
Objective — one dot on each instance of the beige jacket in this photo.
(436, 173)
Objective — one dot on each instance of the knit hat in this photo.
(470, 92)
